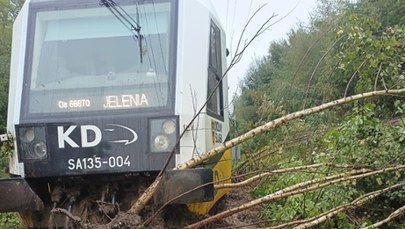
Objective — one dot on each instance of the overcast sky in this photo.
(234, 15)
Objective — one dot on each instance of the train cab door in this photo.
(217, 119)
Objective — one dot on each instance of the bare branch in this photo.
(279, 171)
(333, 212)
(354, 74)
(265, 174)
(306, 55)
(316, 68)
(239, 51)
(377, 76)
(393, 215)
(306, 223)
(289, 141)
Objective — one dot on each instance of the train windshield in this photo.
(92, 59)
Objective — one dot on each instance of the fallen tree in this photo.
(149, 192)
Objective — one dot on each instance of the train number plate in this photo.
(89, 163)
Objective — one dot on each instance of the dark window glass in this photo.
(215, 102)
(87, 60)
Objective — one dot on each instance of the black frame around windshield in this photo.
(40, 6)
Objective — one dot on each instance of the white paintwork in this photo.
(194, 22)
(192, 73)
(16, 79)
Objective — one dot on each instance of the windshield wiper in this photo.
(127, 21)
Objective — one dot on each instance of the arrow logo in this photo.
(125, 141)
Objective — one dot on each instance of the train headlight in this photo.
(40, 150)
(162, 134)
(169, 126)
(28, 134)
(32, 143)
(161, 143)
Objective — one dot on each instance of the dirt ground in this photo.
(174, 217)
(248, 219)
(177, 216)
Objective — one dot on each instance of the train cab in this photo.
(103, 92)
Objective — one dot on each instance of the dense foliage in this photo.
(8, 12)
(348, 48)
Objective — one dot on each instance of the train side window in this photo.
(215, 103)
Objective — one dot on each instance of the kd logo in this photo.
(63, 136)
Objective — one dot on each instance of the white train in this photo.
(100, 92)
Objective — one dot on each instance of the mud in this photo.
(177, 216)
(249, 219)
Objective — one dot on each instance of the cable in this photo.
(113, 6)
(126, 20)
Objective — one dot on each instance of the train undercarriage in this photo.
(95, 200)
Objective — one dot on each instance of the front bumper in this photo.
(185, 186)
(16, 195)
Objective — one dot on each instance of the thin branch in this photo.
(194, 130)
(352, 78)
(384, 84)
(289, 141)
(316, 68)
(265, 174)
(238, 56)
(322, 36)
(304, 184)
(306, 223)
(279, 171)
(356, 203)
(377, 76)
(393, 215)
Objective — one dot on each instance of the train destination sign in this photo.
(108, 102)
(125, 101)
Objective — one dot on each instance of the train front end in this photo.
(98, 101)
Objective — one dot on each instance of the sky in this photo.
(233, 14)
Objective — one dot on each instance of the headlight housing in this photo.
(163, 134)
(32, 142)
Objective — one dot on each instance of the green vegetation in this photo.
(10, 220)
(8, 12)
(348, 48)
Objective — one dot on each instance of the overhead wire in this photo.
(160, 39)
(126, 19)
(121, 12)
(152, 59)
